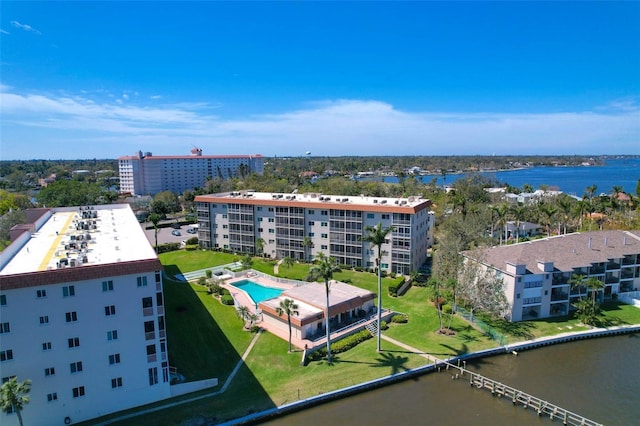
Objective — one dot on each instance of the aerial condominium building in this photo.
(146, 174)
(82, 315)
(537, 274)
(301, 225)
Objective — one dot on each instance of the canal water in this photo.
(596, 378)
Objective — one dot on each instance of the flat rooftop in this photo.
(73, 237)
(317, 200)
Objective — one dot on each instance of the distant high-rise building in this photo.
(145, 174)
(82, 315)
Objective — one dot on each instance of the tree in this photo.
(588, 309)
(501, 213)
(288, 307)
(259, 245)
(480, 287)
(247, 262)
(324, 270)
(243, 313)
(564, 208)
(307, 243)
(165, 202)
(14, 396)
(377, 236)
(547, 212)
(154, 218)
(518, 211)
(287, 261)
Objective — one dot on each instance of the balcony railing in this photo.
(150, 335)
(152, 358)
(559, 296)
(613, 265)
(147, 311)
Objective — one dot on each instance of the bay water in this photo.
(596, 378)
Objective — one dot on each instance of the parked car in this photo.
(176, 233)
(192, 231)
(175, 225)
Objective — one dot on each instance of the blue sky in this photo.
(100, 80)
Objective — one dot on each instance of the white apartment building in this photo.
(146, 174)
(301, 225)
(536, 274)
(82, 315)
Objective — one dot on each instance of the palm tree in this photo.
(288, 307)
(243, 313)
(518, 211)
(14, 396)
(307, 243)
(564, 207)
(287, 261)
(501, 212)
(547, 212)
(259, 245)
(155, 218)
(324, 269)
(377, 235)
(247, 262)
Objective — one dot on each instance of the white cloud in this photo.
(25, 27)
(4, 32)
(340, 127)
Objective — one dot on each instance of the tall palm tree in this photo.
(155, 218)
(376, 236)
(287, 261)
(547, 212)
(288, 307)
(564, 207)
(324, 269)
(259, 245)
(243, 313)
(14, 396)
(519, 211)
(307, 243)
(501, 212)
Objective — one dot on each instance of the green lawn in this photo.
(206, 339)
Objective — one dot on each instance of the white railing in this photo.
(630, 298)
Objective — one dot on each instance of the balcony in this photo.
(596, 270)
(611, 266)
(160, 310)
(147, 311)
(150, 335)
(152, 358)
(626, 273)
(559, 296)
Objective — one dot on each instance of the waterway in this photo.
(597, 378)
(623, 172)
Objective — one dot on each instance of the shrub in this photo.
(202, 281)
(164, 248)
(342, 345)
(224, 292)
(447, 309)
(226, 299)
(400, 319)
(347, 281)
(393, 290)
(191, 247)
(208, 273)
(192, 240)
(384, 325)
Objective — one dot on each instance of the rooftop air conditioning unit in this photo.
(375, 201)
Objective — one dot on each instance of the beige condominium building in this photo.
(147, 174)
(82, 315)
(536, 274)
(301, 225)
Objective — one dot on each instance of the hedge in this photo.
(342, 345)
(395, 286)
(227, 299)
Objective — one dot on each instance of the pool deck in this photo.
(243, 300)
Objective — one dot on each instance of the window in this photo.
(74, 342)
(224, 216)
(46, 346)
(370, 215)
(259, 208)
(323, 247)
(157, 277)
(271, 231)
(112, 335)
(324, 235)
(68, 290)
(6, 355)
(311, 223)
(52, 397)
(271, 220)
(79, 391)
(71, 316)
(312, 212)
(44, 319)
(142, 281)
(3, 299)
(114, 359)
(153, 376)
(107, 285)
(151, 349)
(116, 383)
(76, 367)
(159, 299)
(110, 310)
(270, 209)
(49, 371)
(311, 234)
(385, 216)
(324, 224)
(5, 328)
(147, 302)
(41, 293)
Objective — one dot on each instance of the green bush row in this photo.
(400, 319)
(342, 345)
(164, 248)
(226, 299)
(395, 286)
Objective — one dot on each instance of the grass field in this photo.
(206, 339)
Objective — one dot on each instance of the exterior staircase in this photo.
(372, 327)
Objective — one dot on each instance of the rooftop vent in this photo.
(383, 202)
(375, 201)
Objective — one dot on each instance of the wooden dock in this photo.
(517, 397)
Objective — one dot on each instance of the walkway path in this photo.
(409, 348)
(196, 398)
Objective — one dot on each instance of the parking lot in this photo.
(165, 234)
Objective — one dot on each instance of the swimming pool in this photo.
(257, 292)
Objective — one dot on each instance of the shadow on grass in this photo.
(396, 363)
(198, 347)
(521, 329)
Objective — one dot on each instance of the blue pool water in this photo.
(257, 292)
